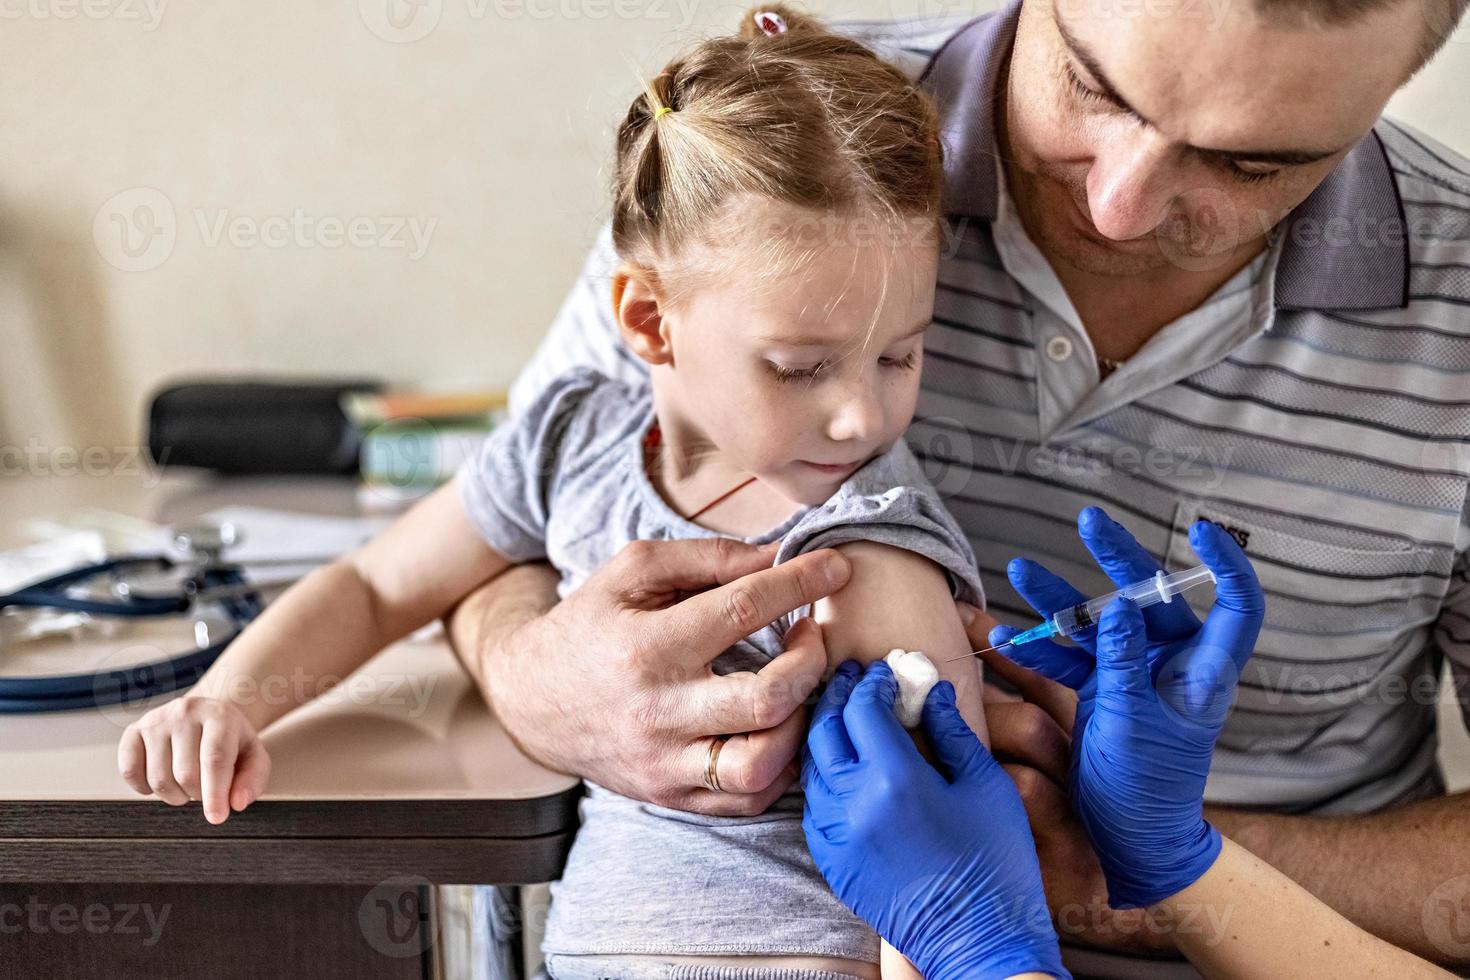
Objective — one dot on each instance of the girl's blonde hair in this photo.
(803, 117)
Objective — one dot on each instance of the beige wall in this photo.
(490, 135)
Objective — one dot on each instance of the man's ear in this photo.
(640, 318)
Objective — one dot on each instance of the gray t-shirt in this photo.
(565, 481)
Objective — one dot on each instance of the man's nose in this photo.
(1132, 184)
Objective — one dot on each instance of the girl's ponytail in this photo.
(785, 110)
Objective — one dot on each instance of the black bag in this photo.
(256, 427)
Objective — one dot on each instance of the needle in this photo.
(978, 652)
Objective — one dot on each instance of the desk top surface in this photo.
(408, 725)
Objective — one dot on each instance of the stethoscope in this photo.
(135, 587)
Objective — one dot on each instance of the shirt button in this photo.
(1059, 349)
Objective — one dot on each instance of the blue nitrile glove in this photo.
(943, 868)
(1153, 688)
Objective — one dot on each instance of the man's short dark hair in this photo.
(1440, 17)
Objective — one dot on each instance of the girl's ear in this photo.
(640, 319)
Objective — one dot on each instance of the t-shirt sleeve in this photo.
(889, 501)
(508, 485)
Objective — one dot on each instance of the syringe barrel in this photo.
(1163, 587)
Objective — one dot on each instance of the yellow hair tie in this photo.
(658, 114)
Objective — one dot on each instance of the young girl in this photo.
(776, 216)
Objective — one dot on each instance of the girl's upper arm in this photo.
(426, 561)
(896, 598)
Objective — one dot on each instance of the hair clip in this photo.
(770, 22)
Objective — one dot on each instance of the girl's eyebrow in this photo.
(917, 328)
(814, 340)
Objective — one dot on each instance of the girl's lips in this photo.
(832, 467)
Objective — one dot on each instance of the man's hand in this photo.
(614, 683)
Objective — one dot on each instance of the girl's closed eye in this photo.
(784, 373)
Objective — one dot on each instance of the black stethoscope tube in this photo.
(66, 692)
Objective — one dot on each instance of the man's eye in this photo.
(1081, 90)
(784, 374)
(1245, 176)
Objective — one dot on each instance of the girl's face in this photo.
(800, 378)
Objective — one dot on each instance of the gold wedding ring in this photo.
(712, 764)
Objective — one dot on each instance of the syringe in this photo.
(1072, 621)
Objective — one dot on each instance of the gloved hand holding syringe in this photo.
(1075, 620)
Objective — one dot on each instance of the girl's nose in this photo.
(858, 417)
(1131, 187)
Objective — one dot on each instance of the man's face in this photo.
(1145, 133)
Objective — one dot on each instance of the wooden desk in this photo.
(396, 780)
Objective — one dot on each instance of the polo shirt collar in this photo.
(1346, 246)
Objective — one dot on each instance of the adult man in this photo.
(1207, 282)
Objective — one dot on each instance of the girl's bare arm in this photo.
(205, 744)
(896, 598)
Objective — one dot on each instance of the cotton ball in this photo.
(915, 676)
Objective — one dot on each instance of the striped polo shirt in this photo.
(1317, 406)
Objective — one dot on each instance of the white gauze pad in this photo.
(915, 676)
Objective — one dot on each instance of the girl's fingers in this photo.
(217, 751)
(132, 759)
(160, 767)
(252, 773)
(184, 747)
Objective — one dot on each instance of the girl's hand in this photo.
(196, 748)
